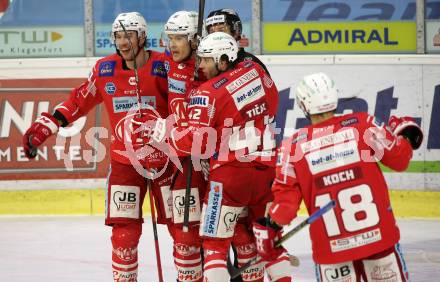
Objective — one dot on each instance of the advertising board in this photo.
(339, 37)
(50, 41)
(78, 151)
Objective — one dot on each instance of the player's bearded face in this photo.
(208, 67)
(122, 41)
(179, 47)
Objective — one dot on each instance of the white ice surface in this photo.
(53, 248)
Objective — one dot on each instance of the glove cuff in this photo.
(400, 127)
(411, 131)
(49, 121)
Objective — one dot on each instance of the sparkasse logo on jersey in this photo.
(212, 212)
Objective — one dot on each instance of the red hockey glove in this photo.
(141, 136)
(406, 127)
(266, 234)
(148, 128)
(43, 127)
(142, 129)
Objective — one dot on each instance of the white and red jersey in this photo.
(115, 86)
(230, 117)
(180, 83)
(338, 160)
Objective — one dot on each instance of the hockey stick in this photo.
(189, 167)
(150, 192)
(330, 205)
(156, 237)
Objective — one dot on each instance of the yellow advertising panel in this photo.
(339, 37)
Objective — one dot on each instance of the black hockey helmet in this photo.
(227, 16)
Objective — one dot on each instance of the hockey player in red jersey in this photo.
(227, 20)
(114, 83)
(230, 120)
(181, 30)
(336, 158)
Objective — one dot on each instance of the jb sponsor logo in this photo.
(179, 204)
(342, 273)
(230, 219)
(125, 201)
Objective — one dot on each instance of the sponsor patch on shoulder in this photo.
(248, 62)
(219, 83)
(107, 68)
(350, 121)
(110, 88)
(267, 81)
(158, 69)
(167, 66)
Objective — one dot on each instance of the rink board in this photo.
(406, 204)
(383, 85)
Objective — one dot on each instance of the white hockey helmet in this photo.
(216, 44)
(182, 22)
(133, 21)
(316, 93)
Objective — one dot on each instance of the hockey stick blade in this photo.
(234, 272)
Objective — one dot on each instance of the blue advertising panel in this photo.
(346, 10)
